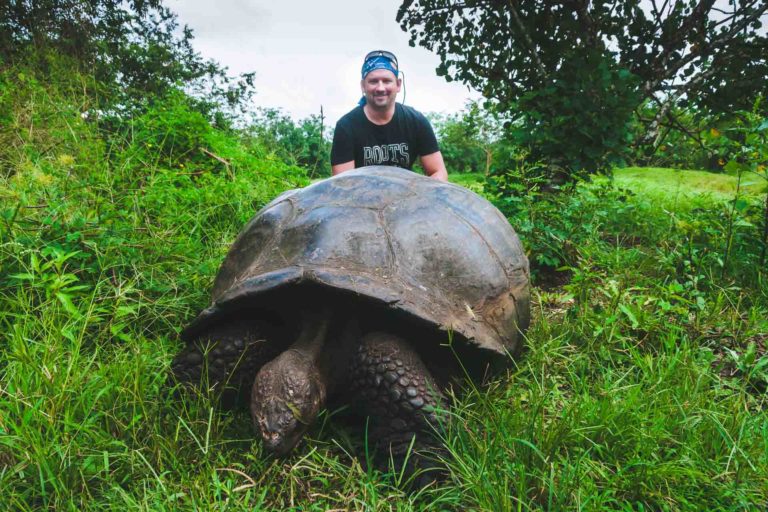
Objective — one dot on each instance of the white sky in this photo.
(306, 54)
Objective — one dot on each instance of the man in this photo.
(381, 131)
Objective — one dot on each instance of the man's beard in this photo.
(380, 101)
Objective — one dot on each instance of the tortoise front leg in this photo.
(225, 358)
(402, 399)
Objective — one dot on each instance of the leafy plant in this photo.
(585, 67)
(752, 366)
(577, 134)
(470, 141)
(301, 143)
(113, 225)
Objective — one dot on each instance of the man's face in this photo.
(380, 88)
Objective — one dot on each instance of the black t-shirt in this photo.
(396, 143)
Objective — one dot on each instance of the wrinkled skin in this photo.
(289, 391)
(288, 394)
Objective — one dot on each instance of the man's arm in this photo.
(433, 165)
(340, 168)
(342, 152)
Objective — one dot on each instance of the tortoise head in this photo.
(287, 396)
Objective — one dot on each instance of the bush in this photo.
(580, 133)
(299, 143)
(469, 140)
(707, 236)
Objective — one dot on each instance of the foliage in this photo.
(469, 139)
(687, 186)
(580, 122)
(106, 257)
(723, 213)
(553, 67)
(695, 139)
(100, 192)
(300, 143)
(522, 193)
(135, 50)
(684, 141)
(643, 386)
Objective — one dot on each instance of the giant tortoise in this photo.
(375, 288)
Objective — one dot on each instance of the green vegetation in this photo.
(472, 181)
(305, 143)
(470, 140)
(643, 385)
(644, 382)
(661, 182)
(581, 85)
(134, 51)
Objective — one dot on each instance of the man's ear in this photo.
(362, 86)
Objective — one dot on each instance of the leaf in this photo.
(734, 166)
(118, 331)
(740, 204)
(751, 354)
(67, 333)
(125, 310)
(66, 301)
(630, 315)
(23, 277)
(78, 288)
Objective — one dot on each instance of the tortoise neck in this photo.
(314, 330)
(326, 342)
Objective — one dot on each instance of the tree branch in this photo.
(696, 16)
(653, 128)
(670, 70)
(531, 47)
(675, 123)
(588, 22)
(657, 14)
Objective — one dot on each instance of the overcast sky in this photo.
(306, 54)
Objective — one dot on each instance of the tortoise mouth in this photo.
(280, 432)
(278, 444)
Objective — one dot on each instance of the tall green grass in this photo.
(642, 387)
(692, 185)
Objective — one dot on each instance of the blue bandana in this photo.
(379, 62)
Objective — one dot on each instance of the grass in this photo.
(663, 182)
(467, 179)
(642, 388)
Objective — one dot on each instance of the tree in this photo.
(570, 73)
(301, 143)
(468, 139)
(134, 49)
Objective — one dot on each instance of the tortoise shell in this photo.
(431, 250)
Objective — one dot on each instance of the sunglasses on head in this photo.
(381, 53)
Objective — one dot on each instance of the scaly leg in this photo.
(394, 388)
(225, 360)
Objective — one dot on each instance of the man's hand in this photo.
(434, 167)
(340, 168)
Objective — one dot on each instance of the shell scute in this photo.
(431, 250)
